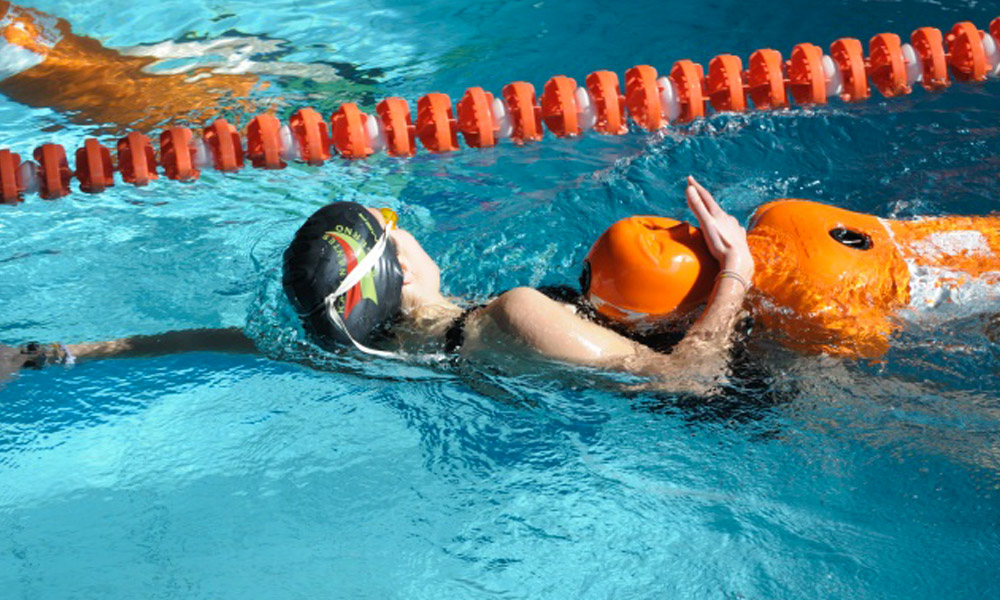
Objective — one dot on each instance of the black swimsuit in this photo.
(454, 336)
(751, 386)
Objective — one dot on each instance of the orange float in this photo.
(525, 113)
(886, 68)
(475, 118)
(766, 80)
(806, 78)
(928, 43)
(827, 280)
(965, 52)
(399, 130)
(226, 146)
(177, 154)
(688, 79)
(11, 186)
(436, 125)
(559, 106)
(53, 171)
(850, 58)
(136, 160)
(94, 168)
(725, 83)
(642, 97)
(311, 136)
(347, 132)
(264, 142)
(608, 102)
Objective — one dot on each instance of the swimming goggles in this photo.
(365, 266)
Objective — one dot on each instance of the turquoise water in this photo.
(215, 476)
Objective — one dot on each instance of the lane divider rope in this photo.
(566, 109)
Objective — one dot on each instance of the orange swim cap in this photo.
(644, 268)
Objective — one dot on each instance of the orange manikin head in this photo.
(827, 279)
(645, 268)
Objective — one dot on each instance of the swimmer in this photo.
(357, 279)
(43, 63)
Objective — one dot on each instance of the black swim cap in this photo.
(325, 249)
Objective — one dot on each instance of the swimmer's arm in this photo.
(551, 330)
(696, 364)
(231, 340)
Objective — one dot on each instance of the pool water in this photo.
(219, 476)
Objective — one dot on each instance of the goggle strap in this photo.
(339, 322)
(353, 278)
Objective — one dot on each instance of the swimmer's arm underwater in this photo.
(231, 340)
(36, 356)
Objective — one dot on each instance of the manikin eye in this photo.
(852, 238)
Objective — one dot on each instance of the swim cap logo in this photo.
(351, 251)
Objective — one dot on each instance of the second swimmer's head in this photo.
(342, 275)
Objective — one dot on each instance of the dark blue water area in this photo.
(219, 476)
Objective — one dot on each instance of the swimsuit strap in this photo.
(454, 336)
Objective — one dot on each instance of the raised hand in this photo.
(726, 238)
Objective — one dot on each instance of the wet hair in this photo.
(324, 250)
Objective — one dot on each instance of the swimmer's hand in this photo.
(726, 238)
(33, 356)
(11, 361)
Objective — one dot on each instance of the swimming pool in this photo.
(218, 476)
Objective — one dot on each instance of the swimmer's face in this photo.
(421, 275)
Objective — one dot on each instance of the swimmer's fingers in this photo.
(707, 198)
(709, 226)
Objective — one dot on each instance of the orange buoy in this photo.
(850, 58)
(227, 148)
(965, 52)
(309, 131)
(827, 280)
(886, 66)
(725, 83)
(642, 97)
(264, 142)
(136, 159)
(11, 186)
(645, 268)
(93, 167)
(929, 46)
(399, 130)
(525, 113)
(688, 78)
(559, 111)
(53, 171)
(475, 118)
(436, 125)
(347, 131)
(177, 154)
(609, 104)
(766, 80)
(805, 74)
